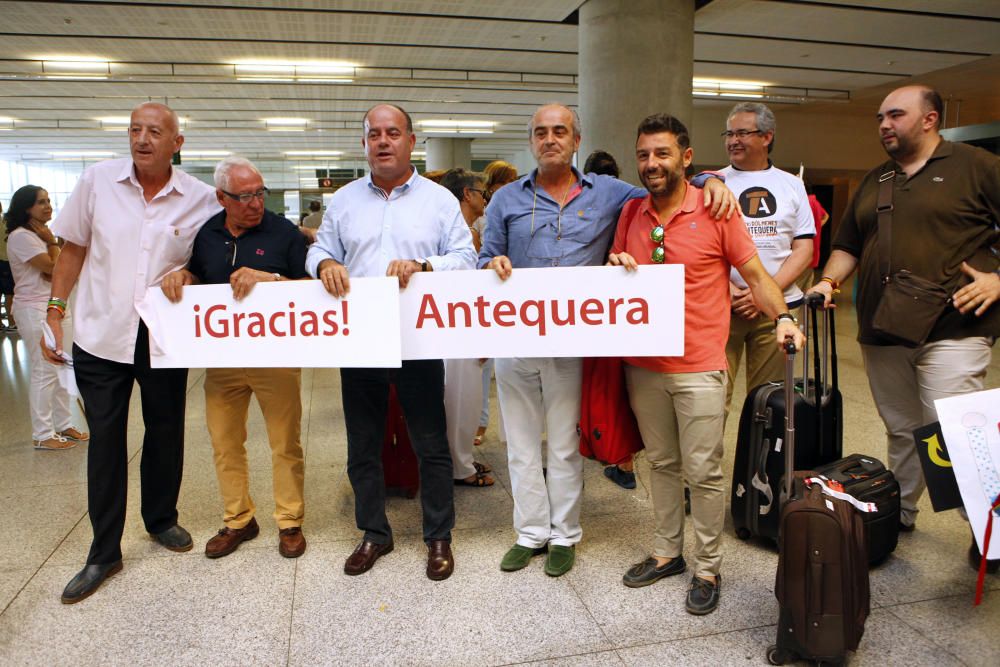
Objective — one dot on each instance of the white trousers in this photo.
(536, 396)
(905, 382)
(463, 387)
(47, 399)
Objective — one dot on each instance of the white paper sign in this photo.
(597, 311)
(971, 428)
(288, 323)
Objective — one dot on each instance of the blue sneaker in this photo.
(623, 478)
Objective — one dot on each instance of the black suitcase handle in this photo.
(789, 445)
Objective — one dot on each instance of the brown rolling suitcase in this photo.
(822, 579)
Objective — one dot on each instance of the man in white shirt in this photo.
(393, 222)
(776, 211)
(128, 223)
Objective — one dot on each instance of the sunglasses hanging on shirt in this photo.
(656, 236)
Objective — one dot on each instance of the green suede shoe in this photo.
(518, 557)
(560, 560)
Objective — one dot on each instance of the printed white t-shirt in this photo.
(776, 210)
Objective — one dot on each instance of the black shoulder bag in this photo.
(910, 305)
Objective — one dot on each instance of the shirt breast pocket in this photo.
(579, 224)
(175, 244)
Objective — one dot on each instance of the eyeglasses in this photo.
(656, 236)
(246, 197)
(231, 251)
(742, 134)
(482, 193)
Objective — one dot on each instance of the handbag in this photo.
(910, 306)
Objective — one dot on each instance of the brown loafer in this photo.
(440, 562)
(228, 539)
(364, 557)
(291, 542)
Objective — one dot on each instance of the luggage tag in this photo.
(840, 495)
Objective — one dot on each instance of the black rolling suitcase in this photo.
(760, 462)
(865, 478)
(822, 582)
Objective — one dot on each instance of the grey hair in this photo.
(227, 165)
(577, 126)
(764, 116)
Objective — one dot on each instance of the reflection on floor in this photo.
(255, 607)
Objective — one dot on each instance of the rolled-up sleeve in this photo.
(328, 244)
(455, 251)
(495, 236)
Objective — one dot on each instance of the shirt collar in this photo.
(218, 223)
(410, 182)
(769, 166)
(128, 174)
(584, 179)
(688, 205)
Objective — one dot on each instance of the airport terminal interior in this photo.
(285, 84)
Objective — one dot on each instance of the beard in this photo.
(671, 181)
(900, 146)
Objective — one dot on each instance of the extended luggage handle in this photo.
(824, 351)
(789, 445)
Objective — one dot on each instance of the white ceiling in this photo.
(438, 59)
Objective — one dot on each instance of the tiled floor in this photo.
(257, 608)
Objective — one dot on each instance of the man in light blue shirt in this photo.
(555, 216)
(393, 222)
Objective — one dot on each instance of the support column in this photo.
(635, 59)
(448, 153)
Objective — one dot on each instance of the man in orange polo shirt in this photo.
(679, 401)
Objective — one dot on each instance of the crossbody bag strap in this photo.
(883, 207)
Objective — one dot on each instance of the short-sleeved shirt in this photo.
(30, 287)
(275, 246)
(527, 225)
(944, 214)
(131, 245)
(707, 248)
(776, 210)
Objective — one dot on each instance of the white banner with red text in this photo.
(560, 312)
(596, 311)
(282, 324)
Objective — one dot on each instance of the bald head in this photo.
(398, 109)
(921, 97)
(154, 137)
(171, 120)
(561, 109)
(909, 119)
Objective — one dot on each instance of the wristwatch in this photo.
(785, 316)
(423, 264)
(276, 276)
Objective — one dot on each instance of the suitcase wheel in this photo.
(744, 534)
(777, 656)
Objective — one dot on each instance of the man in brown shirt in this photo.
(946, 206)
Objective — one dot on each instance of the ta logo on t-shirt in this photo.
(758, 202)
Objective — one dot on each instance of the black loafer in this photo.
(703, 596)
(88, 580)
(975, 558)
(646, 572)
(175, 538)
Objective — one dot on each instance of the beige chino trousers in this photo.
(227, 401)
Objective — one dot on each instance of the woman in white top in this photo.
(33, 251)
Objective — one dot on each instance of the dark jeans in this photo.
(106, 387)
(420, 387)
